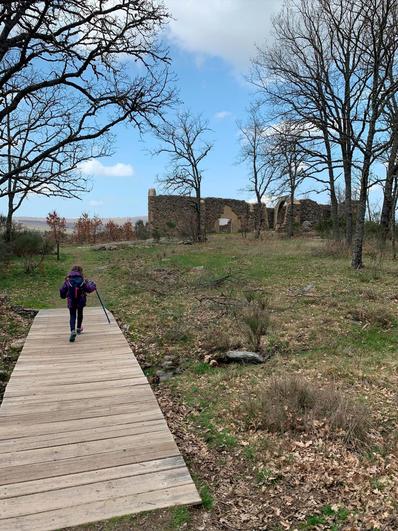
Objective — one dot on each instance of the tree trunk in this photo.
(392, 219)
(357, 246)
(388, 200)
(198, 210)
(334, 207)
(290, 216)
(334, 213)
(368, 208)
(357, 261)
(348, 201)
(259, 218)
(10, 212)
(57, 250)
(386, 210)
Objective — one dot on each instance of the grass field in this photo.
(306, 440)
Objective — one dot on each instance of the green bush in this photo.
(141, 230)
(373, 229)
(32, 247)
(325, 227)
(5, 253)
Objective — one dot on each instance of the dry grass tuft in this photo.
(216, 340)
(255, 318)
(291, 404)
(379, 317)
(331, 249)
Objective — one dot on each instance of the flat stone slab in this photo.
(242, 356)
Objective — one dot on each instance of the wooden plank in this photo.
(73, 516)
(82, 437)
(74, 395)
(71, 425)
(141, 452)
(62, 405)
(23, 391)
(21, 401)
(87, 478)
(99, 491)
(67, 451)
(77, 414)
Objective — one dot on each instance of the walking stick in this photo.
(102, 304)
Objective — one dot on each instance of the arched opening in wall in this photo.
(224, 225)
(280, 213)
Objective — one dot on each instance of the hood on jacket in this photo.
(72, 274)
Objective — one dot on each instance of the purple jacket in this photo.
(87, 287)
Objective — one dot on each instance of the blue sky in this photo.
(211, 43)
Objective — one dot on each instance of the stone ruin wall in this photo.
(167, 210)
(176, 215)
(312, 212)
(306, 213)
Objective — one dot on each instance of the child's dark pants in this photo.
(72, 312)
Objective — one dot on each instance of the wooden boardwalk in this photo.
(82, 437)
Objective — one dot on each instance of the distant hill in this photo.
(41, 224)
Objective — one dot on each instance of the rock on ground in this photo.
(242, 356)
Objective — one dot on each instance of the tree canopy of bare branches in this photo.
(40, 120)
(184, 141)
(331, 65)
(256, 153)
(290, 162)
(69, 72)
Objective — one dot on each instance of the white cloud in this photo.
(268, 200)
(222, 28)
(200, 61)
(222, 115)
(95, 168)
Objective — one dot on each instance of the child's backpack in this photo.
(75, 288)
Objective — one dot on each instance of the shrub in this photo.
(373, 229)
(5, 252)
(332, 249)
(216, 340)
(325, 227)
(141, 230)
(156, 235)
(255, 318)
(32, 247)
(379, 316)
(291, 404)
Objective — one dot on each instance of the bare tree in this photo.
(255, 152)
(331, 66)
(296, 75)
(184, 141)
(379, 47)
(39, 121)
(290, 163)
(105, 55)
(387, 217)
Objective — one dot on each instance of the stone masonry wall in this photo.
(171, 214)
(175, 215)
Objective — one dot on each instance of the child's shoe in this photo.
(72, 336)
(79, 331)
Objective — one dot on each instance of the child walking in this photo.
(74, 289)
